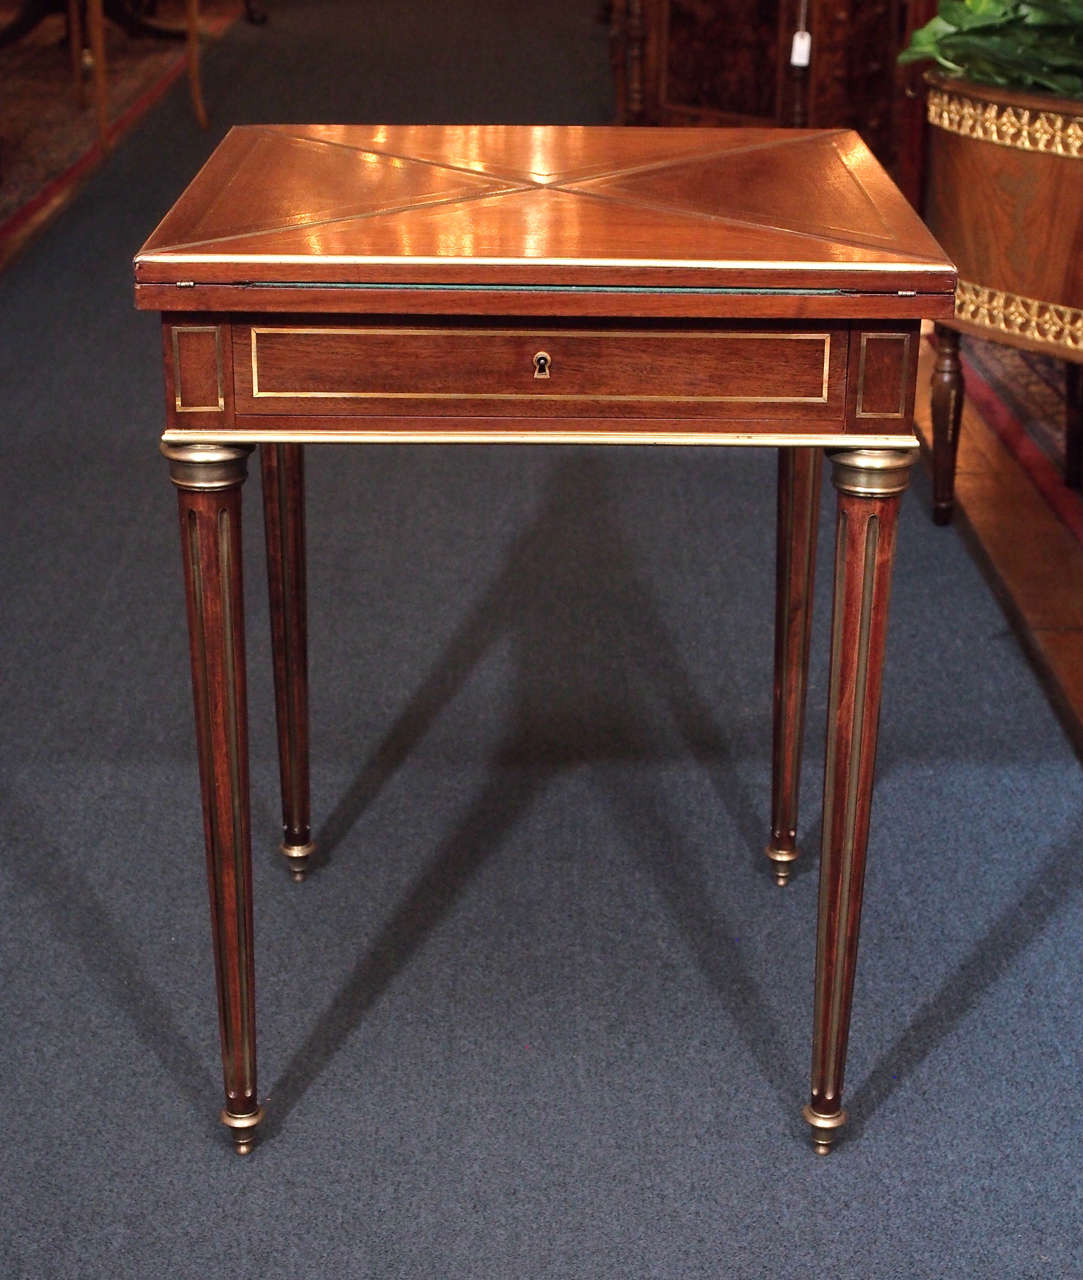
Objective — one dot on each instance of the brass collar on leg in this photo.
(871, 473)
(297, 858)
(207, 466)
(243, 1128)
(782, 861)
(825, 1129)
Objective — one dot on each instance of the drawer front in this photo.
(380, 371)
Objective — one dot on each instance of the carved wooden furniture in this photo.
(728, 62)
(130, 16)
(1004, 193)
(496, 284)
(32, 12)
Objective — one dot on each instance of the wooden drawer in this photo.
(469, 372)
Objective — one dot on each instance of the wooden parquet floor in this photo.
(1031, 559)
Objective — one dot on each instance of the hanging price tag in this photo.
(801, 49)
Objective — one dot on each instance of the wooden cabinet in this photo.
(728, 62)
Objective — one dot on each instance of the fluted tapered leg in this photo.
(870, 484)
(208, 480)
(284, 525)
(947, 411)
(798, 511)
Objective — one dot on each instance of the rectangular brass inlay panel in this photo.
(178, 384)
(904, 365)
(542, 336)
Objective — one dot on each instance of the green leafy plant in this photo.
(1022, 44)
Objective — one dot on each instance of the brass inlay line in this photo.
(866, 338)
(176, 256)
(838, 235)
(330, 220)
(638, 335)
(565, 179)
(1012, 313)
(828, 853)
(512, 180)
(197, 408)
(203, 730)
(656, 204)
(832, 1073)
(1049, 132)
(319, 435)
(236, 800)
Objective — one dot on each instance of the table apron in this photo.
(315, 379)
(539, 371)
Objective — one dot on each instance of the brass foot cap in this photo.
(825, 1129)
(297, 856)
(782, 861)
(242, 1128)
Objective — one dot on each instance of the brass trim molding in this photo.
(175, 258)
(206, 464)
(1045, 131)
(1048, 322)
(319, 435)
(871, 473)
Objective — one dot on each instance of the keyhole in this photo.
(543, 362)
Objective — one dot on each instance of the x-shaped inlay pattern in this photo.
(500, 192)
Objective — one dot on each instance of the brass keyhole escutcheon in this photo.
(543, 362)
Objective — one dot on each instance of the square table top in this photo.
(479, 207)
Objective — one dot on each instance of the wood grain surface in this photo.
(492, 206)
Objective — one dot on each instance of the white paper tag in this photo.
(801, 49)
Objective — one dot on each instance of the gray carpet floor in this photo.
(541, 1011)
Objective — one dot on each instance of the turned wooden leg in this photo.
(869, 483)
(798, 511)
(208, 480)
(75, 49)
(191, 51)
(947, 410)
(1073, 424)
(95, 26)
(636, 40)
(618, 58)
(284, 525)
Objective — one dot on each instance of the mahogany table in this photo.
(521, 284)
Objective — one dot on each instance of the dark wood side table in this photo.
(499, 284)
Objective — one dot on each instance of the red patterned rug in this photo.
(1021, 395)
(48, 136)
